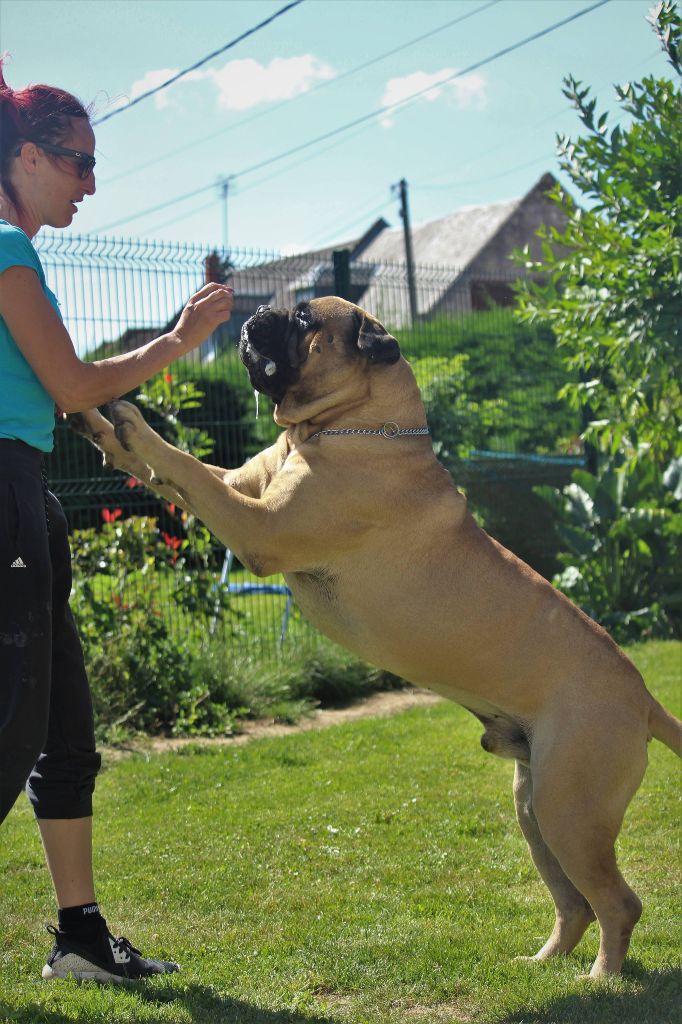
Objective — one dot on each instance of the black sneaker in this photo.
(103, 959)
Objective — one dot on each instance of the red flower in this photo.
(171, 508)
(132, 481)
(172, 542)
(110, 515)
(168, 377)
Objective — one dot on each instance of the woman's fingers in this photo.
(206, 310)
(218, 302)
(213, 288)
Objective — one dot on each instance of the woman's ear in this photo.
(375, 342)
(28, 154)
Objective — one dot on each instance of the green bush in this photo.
(500, 377)
(623, 533)
(459, 423)
(123, 577)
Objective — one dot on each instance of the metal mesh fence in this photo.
(490, 388)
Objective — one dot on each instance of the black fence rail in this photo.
(490, 385)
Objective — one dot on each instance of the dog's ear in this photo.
(375, 342)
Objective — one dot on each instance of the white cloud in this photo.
(467, 91)
(150, 81)
(246, 83)
(470, 91)
(240, 84)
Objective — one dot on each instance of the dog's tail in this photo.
(665, 727)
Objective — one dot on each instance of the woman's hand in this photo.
(205, 311)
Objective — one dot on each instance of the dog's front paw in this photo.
(100, 432)
(90, 424)
(132, 432)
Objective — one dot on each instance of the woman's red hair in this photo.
(38, 113)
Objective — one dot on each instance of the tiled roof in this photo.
(453, 240)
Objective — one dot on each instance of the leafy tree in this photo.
(610, 284)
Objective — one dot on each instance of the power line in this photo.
(205, 188)
(320, 85)
(297, 163)
(199, 63)
(528, 129)
(182, 216)
(263, 181)
(154, 209)
(334, 231)
(374, 113)
(492, 177)
(415, 95)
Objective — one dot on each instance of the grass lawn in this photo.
(369, 873)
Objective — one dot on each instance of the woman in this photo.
(46, 726)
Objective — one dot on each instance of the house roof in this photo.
(442, 251)
(453, 240)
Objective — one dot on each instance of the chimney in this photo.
(213, 269)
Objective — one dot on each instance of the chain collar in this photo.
(389, 430)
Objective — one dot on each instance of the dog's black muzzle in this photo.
(268, 349)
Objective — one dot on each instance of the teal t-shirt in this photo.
(26, 409)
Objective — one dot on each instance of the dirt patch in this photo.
(447, 1013)
(415, 1013)
(377, 705)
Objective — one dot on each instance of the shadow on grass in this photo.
(204, 1006)
(658, 1000)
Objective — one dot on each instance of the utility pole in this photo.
(223, 185)
(401, 190)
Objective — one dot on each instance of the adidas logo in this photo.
(18, 563)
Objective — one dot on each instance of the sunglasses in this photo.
(85, 161)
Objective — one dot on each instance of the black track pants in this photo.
(46, 724)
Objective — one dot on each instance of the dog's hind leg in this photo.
(584, 774)
(573, 913)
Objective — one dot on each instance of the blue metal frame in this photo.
(245, 589)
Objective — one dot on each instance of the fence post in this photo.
(341, 258)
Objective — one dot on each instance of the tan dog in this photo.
(382, 555)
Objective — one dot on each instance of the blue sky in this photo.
(482, 137)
